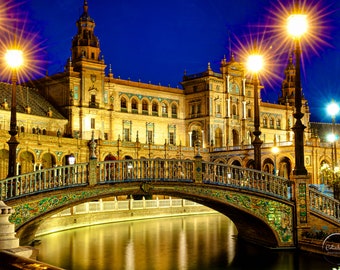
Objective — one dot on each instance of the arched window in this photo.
(145, 106)
(271, 122)
(123, 105)
(174, 111)
(236, 139)
(278, 123)
(265, 122)
(164, 109)
(134, 105)
(154, 108)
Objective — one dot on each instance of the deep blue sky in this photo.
(157, 40)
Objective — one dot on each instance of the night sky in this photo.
(157, 41)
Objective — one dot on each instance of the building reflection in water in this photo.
(170, 243)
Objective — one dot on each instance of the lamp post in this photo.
(14, 59)
(255, 64)
(275, 151)
(297, 26)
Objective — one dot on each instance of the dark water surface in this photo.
(190, 242)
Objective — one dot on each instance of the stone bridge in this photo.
(266, 209)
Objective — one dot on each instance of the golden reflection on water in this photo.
(189, 242)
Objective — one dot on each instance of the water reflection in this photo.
(192, 242)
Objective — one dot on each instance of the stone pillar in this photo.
(198, 175)
(93, 172)
(301, 196)
(7, 229)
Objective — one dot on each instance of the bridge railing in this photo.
(324, 204)
(146, 170)
(244, 178)
(43, 180)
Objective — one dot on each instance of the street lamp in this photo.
(14, 59)
(275, 151)
(297, 25)
(255, 64)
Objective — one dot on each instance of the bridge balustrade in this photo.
(244, 178)
(146, 170)
(44, 180)
(324, 204)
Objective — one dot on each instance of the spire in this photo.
(85, 44)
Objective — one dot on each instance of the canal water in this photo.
(190, 242)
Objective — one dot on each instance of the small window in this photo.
(123, 103)
(154, 108)
(149, 136)
(144, 105)
(126, 134)
(171, 138)
(164, 108)
(134, 104)
(93, 123)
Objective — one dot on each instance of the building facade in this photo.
(214, 111)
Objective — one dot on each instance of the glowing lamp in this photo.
(14, 58)
(331, 137)
(275, 150)
(333, 109)
(297, 25)
(255, 63)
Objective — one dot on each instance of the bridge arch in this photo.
(250, 223)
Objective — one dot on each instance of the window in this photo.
(265, 122)
(145, 107)
(106, 136)
(198, 108)
(123, 103)
(249, 112)
(174, 111)
(271, 122)
(171, 138)
(126, 134)
(164, 109)
(93, 123)
(134, 105)
(278, 123)
(234, 110)
(154, 108)
(150, 136)
(218, 108)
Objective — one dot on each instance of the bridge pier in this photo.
(301, 196)
(8, 240)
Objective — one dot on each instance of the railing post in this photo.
(198, 175)
(301, 198)
(93, 172)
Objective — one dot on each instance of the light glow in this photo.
(255, 63)
(275, 150)
(333, 109)
(331, 137)
(297, 25)
(14, 58)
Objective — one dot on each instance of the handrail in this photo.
(133, 170)
(146, 170)
(249, 179)
(44, 180)
(324, 204)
